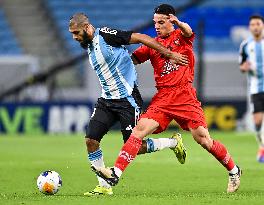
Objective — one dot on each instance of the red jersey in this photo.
(165, 74)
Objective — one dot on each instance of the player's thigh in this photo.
(145, 126)
(100, 123)
(140, 128)
(129, 111)
(128, 119)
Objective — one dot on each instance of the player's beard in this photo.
(258, 33)
(86, 41)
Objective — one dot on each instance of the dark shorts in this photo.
(107, 112)
(258, 102)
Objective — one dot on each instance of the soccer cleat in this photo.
(260, 155)
(99, 190)
(234, 181)
(108, 174)
(179, 150)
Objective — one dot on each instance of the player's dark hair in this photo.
(164, 9)
(256, 16)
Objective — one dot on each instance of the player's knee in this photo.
(202, 137)
(140, 127)
(203, 140)
(139, 130)
(145, 127)
(91, 144)
(258, 123)
(137, 133)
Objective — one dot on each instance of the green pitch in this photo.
(152, 179)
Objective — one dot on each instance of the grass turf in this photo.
(155, 178)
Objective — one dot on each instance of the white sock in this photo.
(154, 145)
(118, 172)
(96, 159)
(234, 170)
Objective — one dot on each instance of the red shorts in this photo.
(176, 103)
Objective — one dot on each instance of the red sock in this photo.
(221, 154)
(128, 152)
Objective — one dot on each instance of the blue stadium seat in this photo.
(219, 17)
(123, 15)
(8, 42)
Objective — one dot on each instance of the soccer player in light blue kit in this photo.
(120, 100)
(252, 62)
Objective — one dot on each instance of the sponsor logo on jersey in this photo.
(108, 30)
(168, 68)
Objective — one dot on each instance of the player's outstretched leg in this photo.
(234, 181)
(99, 190)
(220, 152)
(179, 150)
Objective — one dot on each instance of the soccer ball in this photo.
(49, 182)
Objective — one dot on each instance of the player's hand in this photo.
(179, 59)
(245, 67)
(174, 19)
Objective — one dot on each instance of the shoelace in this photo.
(233, 179)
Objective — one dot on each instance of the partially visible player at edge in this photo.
(176, 99)
(120, 99)
(252, 62)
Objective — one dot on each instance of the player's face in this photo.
(83, 35)
(256, 27)
(162, 25)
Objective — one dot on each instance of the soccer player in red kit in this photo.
(176, 99)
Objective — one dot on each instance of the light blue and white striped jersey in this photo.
(112, 63)
(253, 52)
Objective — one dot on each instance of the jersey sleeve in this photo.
(189, 40)
(142, 54)
(115, 37)
(242, 53)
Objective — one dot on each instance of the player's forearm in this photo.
(185, 28)
(150, 42)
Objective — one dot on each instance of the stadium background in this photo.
(45, 76)
(35, 41)
(47, 92)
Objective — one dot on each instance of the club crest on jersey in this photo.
(177, 42)
(168, 68)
